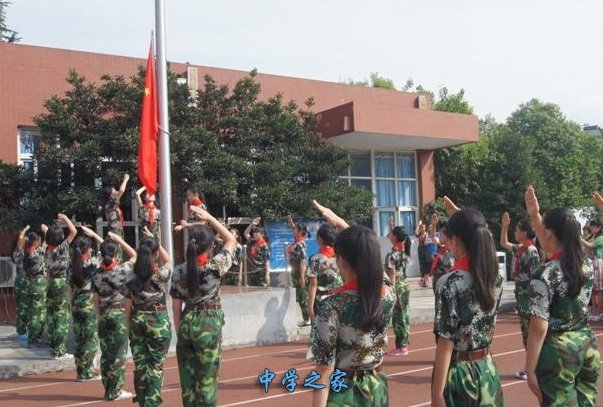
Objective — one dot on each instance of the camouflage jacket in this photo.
(89, 270)
(150, 293)
(549, 299)
(113, 215)
(18, 260)
(458, 315)
(237, 258)
(33, 263)
(262, 255)
(445, 261)
(325, 270)
(526, 264)
(336, 338)
(109, 284)
(297, 254)
(58, 260)
(192, 216)
(209, 280)
(144, 217)
(396, 260)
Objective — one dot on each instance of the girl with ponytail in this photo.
(35, 273)
(20, 284)
(83, 267)
(196, 283)
(108, 287)
(467, 300)
(298, 259)
(562, 359)
(355, 317)
(150, 328)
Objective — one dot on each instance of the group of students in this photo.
(350, 304)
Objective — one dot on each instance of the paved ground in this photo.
(409, 376)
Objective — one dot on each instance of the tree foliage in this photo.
(256, 157)
(6, 34)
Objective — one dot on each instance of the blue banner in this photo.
(280, 236)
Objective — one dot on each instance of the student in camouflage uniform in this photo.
(194, 198)
(107, 285)
(149, 216)
(562, 357)
(235, 274)
(35, 272)
(21, 285)
(323, 275)
(349, 331)
(57, 259)
(467, 300)
(196, 283)
(593, 247)
(395, 265)
(525, 260)
(83, 268)
(443, 260)
(150, 328)
(110, 203)
(298, 261)
(258, 255)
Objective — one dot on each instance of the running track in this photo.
(409, 376)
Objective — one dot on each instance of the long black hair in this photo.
(526, 226)
(327, 233)
(30, 240)
(399, 233)
(108, 250)
(360, 248)
(566, 229)
(80, 246)
(200, 239)
(470, 226)
(54, 235)
(145, 262)
(105, 196)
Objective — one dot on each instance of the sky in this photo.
(502, 53)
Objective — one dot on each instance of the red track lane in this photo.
(409, 376)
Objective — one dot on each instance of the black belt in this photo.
(473, 355)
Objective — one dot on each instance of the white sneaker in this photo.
(64, 356)
(124, 395)
(89, 379)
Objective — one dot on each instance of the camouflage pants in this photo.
(255, 278)
(113, 335)
(150, 335)
(84, 333)
(368, 390)
(199, 351)
(473, 384)
(301, 295)
(22, 303)
(568, 369)
(36, 318)
(522, 298)
(401, 314)
(57, 315)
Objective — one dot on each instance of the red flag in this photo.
(147, 149)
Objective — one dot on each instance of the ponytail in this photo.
(484, 264)
(81, 245)
(145, 262)
(200, 240)
(108, 251)
(567, 231)
(360, 248)
(470, 226)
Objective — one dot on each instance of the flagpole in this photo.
(165, 183)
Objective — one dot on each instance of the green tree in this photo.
(6, 34)
(377, 81)
(255, 157)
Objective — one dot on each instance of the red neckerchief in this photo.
(202, 259)
(556, 255)
(520, 253)
(327, 251)
(462, 264)
(399, 246)
(437, 258)
(150, 206)
(195, 202)
(30, 250)
(297, 240)
(113, 264)
(258, 243)
(352, 285)
(51, 247)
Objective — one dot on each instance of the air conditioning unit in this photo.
(7, 272)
